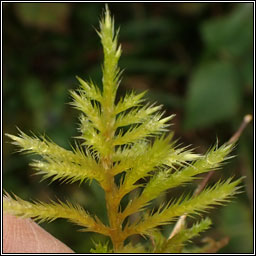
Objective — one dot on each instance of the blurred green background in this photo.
(194, 58)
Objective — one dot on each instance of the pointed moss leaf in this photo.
(101, 248)
(129, 101)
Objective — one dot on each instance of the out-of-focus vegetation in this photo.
(194, 58)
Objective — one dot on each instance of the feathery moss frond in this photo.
(126, 138)
(89, 90)
(218, 194)
(66, 171)
(128, 153)
(60, 163)
(215, 157)
(176, 243)
(135, 116)
(163, 180)
(129, 101)
(152, 126)
(41, 146)
(112, 53)
(154, 157)
(92, 111)
(101, 248)
(41, 211)
(48, 149)
(179, 157)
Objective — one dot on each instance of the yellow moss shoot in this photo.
(130, 138)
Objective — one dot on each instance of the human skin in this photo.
(25, 236)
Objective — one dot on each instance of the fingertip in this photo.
(25, 236)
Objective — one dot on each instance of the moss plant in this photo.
(128, 138)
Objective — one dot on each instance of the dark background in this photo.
(194, 58)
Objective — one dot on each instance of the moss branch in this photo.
(50, 211)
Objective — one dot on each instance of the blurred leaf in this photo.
(246, 69)
(60, 98)
(88, 13)
(167, 99)
(232, 34)
(34, 95)
(43, 15)
(146, 27)
(150, 66)
(213, 95)
(35, 100)
(236, 221)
